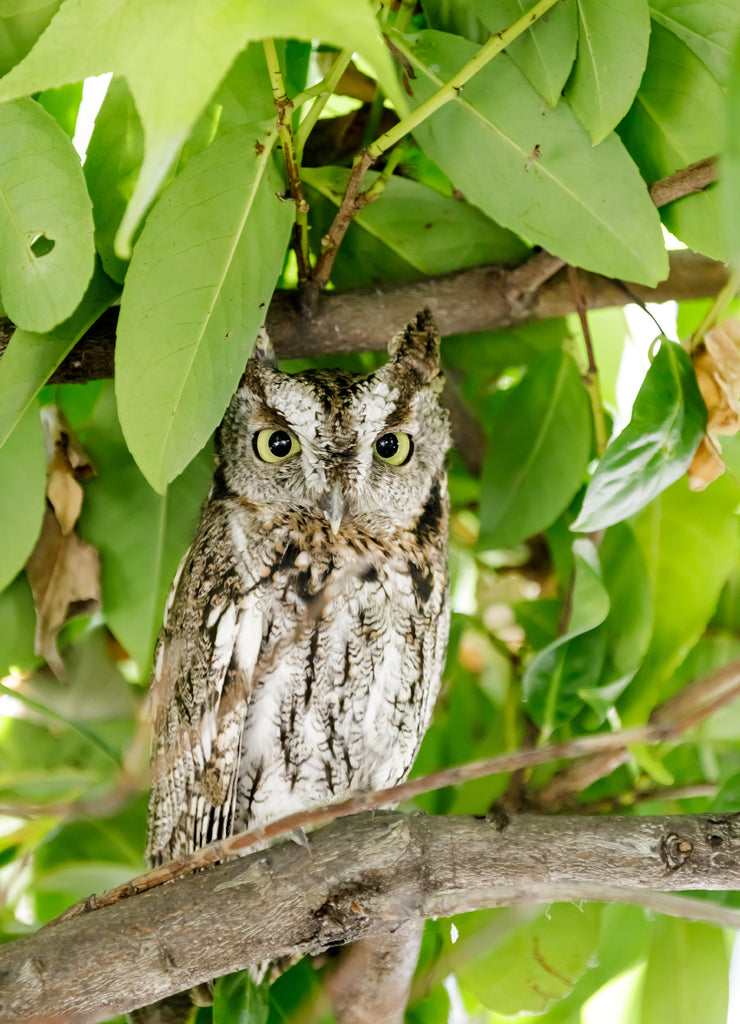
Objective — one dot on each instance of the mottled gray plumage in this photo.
(305, 634)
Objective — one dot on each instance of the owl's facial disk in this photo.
(339, 447)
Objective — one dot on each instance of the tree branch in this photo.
(363, 877)
(481, 299)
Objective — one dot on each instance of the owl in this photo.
(305, 633)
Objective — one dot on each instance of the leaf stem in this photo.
(285, 109)
(724, 298)
(326, 86)
(591, 376)
(449, 90)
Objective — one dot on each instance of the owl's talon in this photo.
(299, 836)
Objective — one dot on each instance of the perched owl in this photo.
(305, 633)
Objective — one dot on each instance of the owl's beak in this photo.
(331, 504)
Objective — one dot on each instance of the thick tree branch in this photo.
(481, 299)
(362, 877)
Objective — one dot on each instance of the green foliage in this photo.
(237, 1000)
(184, 211)
(655, 449)
(540, 431)
(44, 272)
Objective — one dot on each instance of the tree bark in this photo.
(363, 877)
(481, 299)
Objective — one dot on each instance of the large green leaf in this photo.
(30, 359)
(730, 185)
(540, 441)
(139, 553)
(676, 119)
(687, 974)
(238, 1000)
(21, 23)
(546, 51)
(174, 55)
(533, 169)
(654, 449)
(690, 545)
(46, 234)
(607, 73)
(23, 475)
(196, 292)
(430, 232)
(114, 156)
(708, 27)
(531, 965)
(553, 682)
(630, 619)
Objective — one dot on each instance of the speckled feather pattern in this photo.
(299, 661)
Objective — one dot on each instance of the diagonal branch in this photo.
(361, 878)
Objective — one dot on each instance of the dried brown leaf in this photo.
(717, 365)
(64, 573)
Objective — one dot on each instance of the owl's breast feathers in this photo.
(294, 666)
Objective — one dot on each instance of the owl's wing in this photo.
(202, 680)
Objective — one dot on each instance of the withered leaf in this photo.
(717, 365)
(64, 573)
(66, 463)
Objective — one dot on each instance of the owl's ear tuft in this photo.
(417, 347)
(263, 351)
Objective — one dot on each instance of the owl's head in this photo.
(339, 447)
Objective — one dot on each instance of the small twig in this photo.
(292, 163)
(723, 299)
(325, 87)
(700, 693)
(591, 377)
(449, 90)
(685, 181)
(352, 201)
(692, 705)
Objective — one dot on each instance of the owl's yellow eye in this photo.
(395, 448)
(275, 445)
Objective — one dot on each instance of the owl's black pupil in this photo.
(387, 446)
(280, 443)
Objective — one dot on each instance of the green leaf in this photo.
(608, 72)
(687, 974)
(552, 187)
(534, 965)
(730, 185)
(63, 104)
(709, 28)
(676, 119)
(546, 51)
(18, 617)
(654, 449)
(114, 156)
(690, 545)
(182, 349)
(553, 681)
(238, 1000)
(540, 441)
(139, 553)
(46, 245)
(429, 232)
(30, 359)
(630, 619)
(21, 23)
(23, 473)
(174, 57)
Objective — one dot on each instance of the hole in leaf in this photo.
(41, 245)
